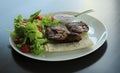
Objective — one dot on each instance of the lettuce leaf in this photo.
(18, 19)
(38, 46)
(33, 16)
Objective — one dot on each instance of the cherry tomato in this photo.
(39, 28)
(25, 48)
(16, 41)
(39, 17)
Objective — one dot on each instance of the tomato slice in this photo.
(25, 48)
(39, 17)
(39, 28)
(16, 41)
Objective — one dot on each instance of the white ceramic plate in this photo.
(97, 33)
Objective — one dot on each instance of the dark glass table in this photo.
(106, 59)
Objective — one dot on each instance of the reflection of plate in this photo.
(97, 33)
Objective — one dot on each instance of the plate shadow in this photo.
(37, 66)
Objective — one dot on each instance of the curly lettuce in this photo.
(27, 31)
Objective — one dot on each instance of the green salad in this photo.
(29, 33)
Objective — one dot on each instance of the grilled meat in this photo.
(77, 27)
(72, 37)
(66, 33)
(57, 33)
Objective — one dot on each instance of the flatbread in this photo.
(59, 47)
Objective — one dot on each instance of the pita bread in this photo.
(59, 47)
